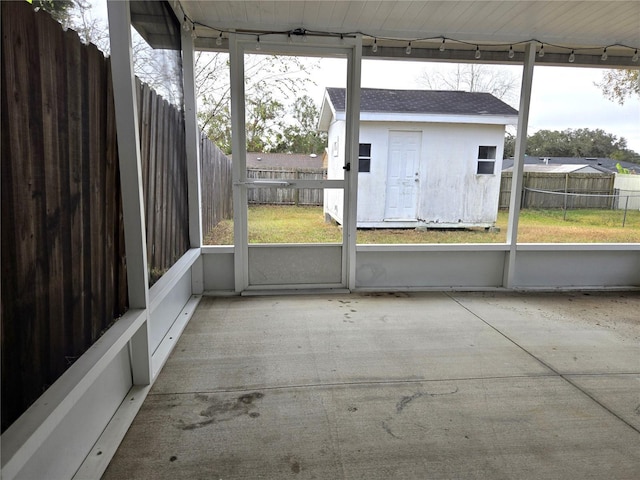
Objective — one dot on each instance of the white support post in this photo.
(354, 71)
(124, 94)
(192, 141)
(518, 164)
(239, 171)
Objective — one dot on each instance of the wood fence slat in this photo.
(59, 288)
(577, 182)
(76, 246)
(20, 380)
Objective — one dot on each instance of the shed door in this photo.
(402, 175)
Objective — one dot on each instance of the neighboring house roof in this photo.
(416, 105)
(606, 165)
(558, 169)
(283, 160)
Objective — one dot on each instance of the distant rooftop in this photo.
(602, 164)
(424, 101)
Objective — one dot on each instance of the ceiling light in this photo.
(442, 46)
(635, 56)
(511, 52)
(258, 42)
(374, 47)
(604, 55)
(572, 57)
(478, 54)
(219, 40)
(541, 52)
(408, 50)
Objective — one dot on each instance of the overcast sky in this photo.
(562, 97)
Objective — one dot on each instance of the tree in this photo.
(620, 85)
(509, 145)
(301, 136)
(473, 78)
(58, 9)
(264, 114)
(271, 83)
(581, 142)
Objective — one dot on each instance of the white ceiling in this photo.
(587, 26)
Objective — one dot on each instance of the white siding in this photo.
(334, 198)
(451, 193)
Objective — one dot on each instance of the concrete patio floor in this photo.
(406, 386)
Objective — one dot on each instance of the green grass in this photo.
(290, 224)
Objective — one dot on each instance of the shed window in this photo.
(364, 158)
(486, 160)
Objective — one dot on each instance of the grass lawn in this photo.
(290, 224)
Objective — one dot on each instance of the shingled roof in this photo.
(424, 101)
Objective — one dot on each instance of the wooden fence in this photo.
(287, 196)
(63, 253)
(164, 180)
(63, 262)
(580, 183)
(215, 176)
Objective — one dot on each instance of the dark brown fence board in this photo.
(63, 258)
(62, 264)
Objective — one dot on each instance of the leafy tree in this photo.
(620, 85)
(509, 145)
(302, 136)
(581, 142)
(622, 170)
(264, 114)
(474, 78)
(271, 82)
(60, 10)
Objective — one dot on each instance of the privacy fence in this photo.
(63, 261)
(536, 183)
(286, 196)
(215, 175)
(164, 180)
(63, 253)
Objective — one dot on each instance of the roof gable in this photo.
(424, 102)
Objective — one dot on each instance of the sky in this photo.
(562, 97)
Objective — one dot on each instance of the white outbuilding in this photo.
(426, 158)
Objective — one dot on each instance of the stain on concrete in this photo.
(406, 401)
(294, 464)
(218, 409)
(387, 429)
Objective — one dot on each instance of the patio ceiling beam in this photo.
(452, 55)
(466, 55)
